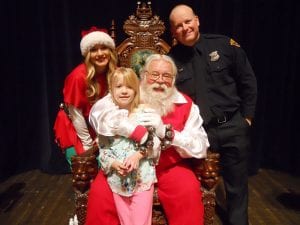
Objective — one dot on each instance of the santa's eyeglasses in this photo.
(167, 77)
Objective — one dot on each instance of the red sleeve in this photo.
(138, 133)
(75, 90)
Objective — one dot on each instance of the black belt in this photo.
(218, 120)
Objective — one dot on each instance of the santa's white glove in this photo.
(124, 128)
(150, 118)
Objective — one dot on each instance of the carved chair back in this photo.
(144, 30)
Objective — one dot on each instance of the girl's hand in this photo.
(119, 167)
(132, 162)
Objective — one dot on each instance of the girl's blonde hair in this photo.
(131, 80)
(93, 88)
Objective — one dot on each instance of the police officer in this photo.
(215, 72)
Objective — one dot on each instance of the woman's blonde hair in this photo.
(131, 80)
(93, 88)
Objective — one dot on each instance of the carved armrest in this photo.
(84, 170)
(207, 170)
(92, 151)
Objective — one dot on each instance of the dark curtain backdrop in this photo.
(40, 46)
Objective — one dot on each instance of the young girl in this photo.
(82, 88)
(129, 167)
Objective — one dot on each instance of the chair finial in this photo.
(143, 10)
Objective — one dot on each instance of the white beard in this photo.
(160, 101)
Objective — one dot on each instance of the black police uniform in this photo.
(217, 75)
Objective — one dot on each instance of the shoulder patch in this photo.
(234, 43)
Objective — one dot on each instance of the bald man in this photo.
(215, 72)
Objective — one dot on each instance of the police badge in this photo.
(214, 56)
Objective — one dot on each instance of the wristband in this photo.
(148, 144)
(169, 136)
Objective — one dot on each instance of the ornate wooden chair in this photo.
(144, 30)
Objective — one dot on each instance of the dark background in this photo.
(40, 46)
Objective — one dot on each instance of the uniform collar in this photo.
(199, 45)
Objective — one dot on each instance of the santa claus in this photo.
(177, 123)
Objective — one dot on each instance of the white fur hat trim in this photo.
(94, 38)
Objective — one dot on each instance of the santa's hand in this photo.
(138, 113)
(154, 120)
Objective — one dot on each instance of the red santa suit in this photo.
(76, 99)
(178, 188)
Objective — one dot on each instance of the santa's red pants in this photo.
(178, 191)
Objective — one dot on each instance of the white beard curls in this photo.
(160, 101)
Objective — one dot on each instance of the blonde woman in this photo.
(82, 88)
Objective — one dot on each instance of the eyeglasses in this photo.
(167, 77)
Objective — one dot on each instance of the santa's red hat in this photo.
(95, 36)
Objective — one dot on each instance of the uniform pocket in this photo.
(185, 82)
(220, 73)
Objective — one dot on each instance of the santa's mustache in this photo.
(160, 86)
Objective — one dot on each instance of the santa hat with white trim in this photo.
(95, 36)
